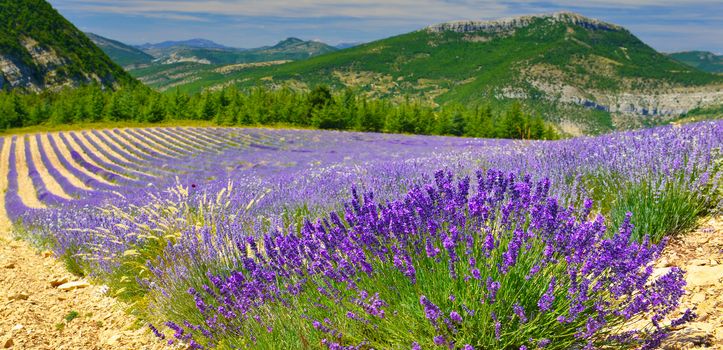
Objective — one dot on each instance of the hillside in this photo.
(178, 63)
(703, 60)
(584, 74)
(39, 49)
(120, 53)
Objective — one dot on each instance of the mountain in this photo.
(193, 43)
(170, 52)
(39, 49)
(586, 75)
(342, 46)
(122, 54)
(180, 65)
(703, 60)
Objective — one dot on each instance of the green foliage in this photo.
(36, 20)
(319, 108)
(475, 68)
(703, 60)
(122, 54)
(71, 316)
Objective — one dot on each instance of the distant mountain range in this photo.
(39, 50)
(702, 60)
(171, 63)
(195, 43)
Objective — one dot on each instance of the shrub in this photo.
(504, 267)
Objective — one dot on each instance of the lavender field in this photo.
(293, 239)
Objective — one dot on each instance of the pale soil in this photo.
(700, 254)
(182, 138)
(65, 152)
(102, 144)
(97, 152)
(157, 144)
(32, 311)
(178, 142)
(148, 143)
(55, 163)
(5, 224)
(125, 145)
(73, 144)
(50, 183)
(26, 189)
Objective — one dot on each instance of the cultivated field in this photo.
(229, 237)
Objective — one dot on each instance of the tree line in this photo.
(318, 108)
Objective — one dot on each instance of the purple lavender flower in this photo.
(548, 297)
(454, 316)
(520, 312)
(431, 311)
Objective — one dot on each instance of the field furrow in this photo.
(26, 189)
(91, 161)
(106, 161)
(60, 166)
(5, 223)
(173, 150)
(45, 195)
(71, 163)
(148, 144)
(217, 144)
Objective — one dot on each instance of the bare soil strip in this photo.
(55, 163)
(50, 183)
(148, 143)
(65, 152)
(151, 136)
(182, 140)
(76, 146)
(26, 189)
(124, 144)
(103, 145)
(5, 224)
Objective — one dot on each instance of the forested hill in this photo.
(39, 50)
(120, 53)
(582, 73)
(703, 60)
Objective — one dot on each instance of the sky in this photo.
(666, 25)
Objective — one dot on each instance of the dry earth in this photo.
(700, 253)
(37, 294)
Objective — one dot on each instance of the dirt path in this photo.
(700, 254)
(38, 296)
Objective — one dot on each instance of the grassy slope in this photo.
(120, 53)
(702, 60)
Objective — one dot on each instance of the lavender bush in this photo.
(503, 267)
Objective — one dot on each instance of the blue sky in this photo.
(666, 25)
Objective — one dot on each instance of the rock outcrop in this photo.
(511, 23)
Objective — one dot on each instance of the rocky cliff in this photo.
(39, 49)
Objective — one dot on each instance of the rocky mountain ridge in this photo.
(511, 23)
(41, 50)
